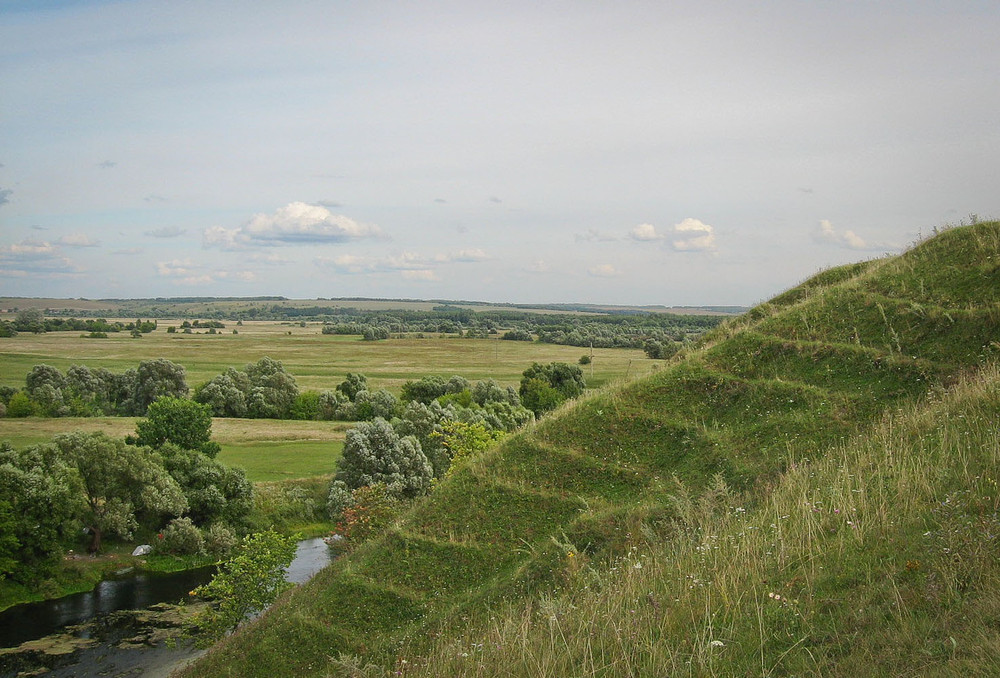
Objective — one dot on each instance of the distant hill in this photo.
(812, 490)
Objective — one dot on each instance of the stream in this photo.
(118, 628)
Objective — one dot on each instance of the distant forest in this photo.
(556, 324)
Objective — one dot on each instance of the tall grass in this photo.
(880, 554)
(771, 503)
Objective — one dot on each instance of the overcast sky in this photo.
(607, 152)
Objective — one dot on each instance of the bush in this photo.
(219, 540)
(371, 404)
(306, 406)
(180, 537)
(21, 406)
(374, 453)
(338, 499)
(370, 512)
(183, 422)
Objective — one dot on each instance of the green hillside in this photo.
(648, 529)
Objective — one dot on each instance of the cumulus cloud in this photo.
(297, 223)
(603, 271)
(645, 233)
(5, 194)
(153, 197)
(128, 251)
(77, 240)
(176, 268)
(537, 266)
(34, 257)
(165, 232)
(848, 239)
(692, 235)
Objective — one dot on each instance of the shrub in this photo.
(370, 513)
(306, 406)
(338, 499)
(374, 453)
(181, 537)
(219, 540)
(371, 404)
(21, 406)
(245, 584)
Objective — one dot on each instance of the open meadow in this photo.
(272, 450)
(266, 449)
(317, 361)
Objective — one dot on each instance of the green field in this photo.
(279, 450)
(317, 361)
(266, 449)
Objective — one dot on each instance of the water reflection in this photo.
(132, 591)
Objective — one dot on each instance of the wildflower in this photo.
(717, 643)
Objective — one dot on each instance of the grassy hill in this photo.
(810, 492)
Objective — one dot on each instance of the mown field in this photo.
(266, 449)
(317, 361)
(279, 450)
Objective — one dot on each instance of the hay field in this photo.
(317, 361)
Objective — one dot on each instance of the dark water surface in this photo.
(129, 590)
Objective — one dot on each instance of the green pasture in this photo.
(266, 449)
(317, 361)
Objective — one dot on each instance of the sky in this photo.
(675, 153)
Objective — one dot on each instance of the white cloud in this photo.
(77, 240)
(34, 257)
(603, 271)
(176, 268)
(29, 249)
(692, 235)
(537, 266)
(297, 223)
(645, 233)
(848, 239)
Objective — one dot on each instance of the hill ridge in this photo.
(704, 416)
